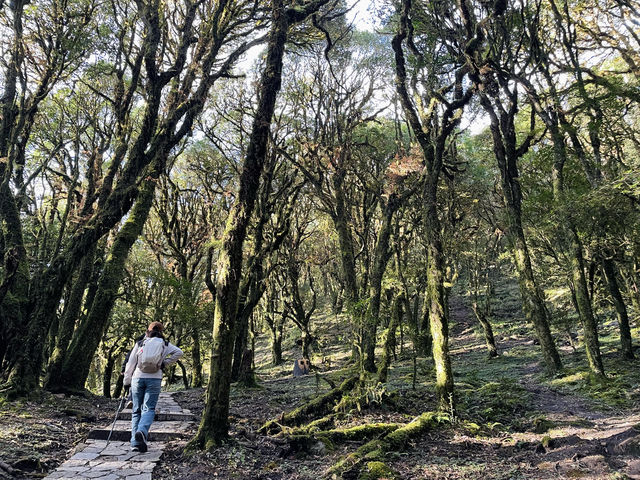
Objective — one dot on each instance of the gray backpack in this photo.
(151, 354)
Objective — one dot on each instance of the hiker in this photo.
(144, 375)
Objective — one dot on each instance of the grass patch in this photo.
(497, 403)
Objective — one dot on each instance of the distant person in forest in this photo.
(143, 374)
(301, 367)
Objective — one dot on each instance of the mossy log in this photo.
(318, 406)
(394, 441)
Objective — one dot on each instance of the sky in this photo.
(360, 14)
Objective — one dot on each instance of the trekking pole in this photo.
(124, 395)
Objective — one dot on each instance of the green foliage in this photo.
(364, 396)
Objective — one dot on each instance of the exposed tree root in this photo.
(329, 438)
(327, 422)
(394, 441)
(317, 406)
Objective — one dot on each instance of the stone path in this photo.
(96, 459)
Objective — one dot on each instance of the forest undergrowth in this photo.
(512, 422)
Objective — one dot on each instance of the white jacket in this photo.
(171, 355)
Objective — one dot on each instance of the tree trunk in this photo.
(196, 377)
(626, 346)
(107, 374)
(438, 308)
(68, 320)
(532, 297)
(214, 426)
(589, 324)
(240, 346)
(306, 342)
(486, 328)
(276, 343)
(380, 260)
(390, 341)
(568, 231)
(533, 302)
(185, 376)
(432, 142)
(425, 342)
(88, 335)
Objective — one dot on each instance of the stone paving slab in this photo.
(161, 416)
(161, 431)
(95, 459)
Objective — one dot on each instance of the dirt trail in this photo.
(575, 437)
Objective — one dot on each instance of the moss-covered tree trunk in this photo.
(214, 426)
(583, 301)
(568, 231)
(240, 346)
(483, 319)
(342, 223)
(533, 301)
(89, 333)
(68, 320)
(432, 135)
(626, 345)
(382, 253)
(507, 152)
(499, 97)
(390, 340)
(436, 297)
(575, 255)
(425, 342)
(14, 274)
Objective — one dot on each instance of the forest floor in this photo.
(513, 421)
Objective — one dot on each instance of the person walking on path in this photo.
(143, 374)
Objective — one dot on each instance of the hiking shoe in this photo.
(135, 449)
(129, 405)
(142, 442)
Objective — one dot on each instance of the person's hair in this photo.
(154, 333)
(155, 330)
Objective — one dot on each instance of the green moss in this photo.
(503, 402)
(542, 425)
(394, 441)
(376, 471)
(472, 428)
(318, 405)
(359, 432)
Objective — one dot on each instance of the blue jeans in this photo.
(144, 393)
